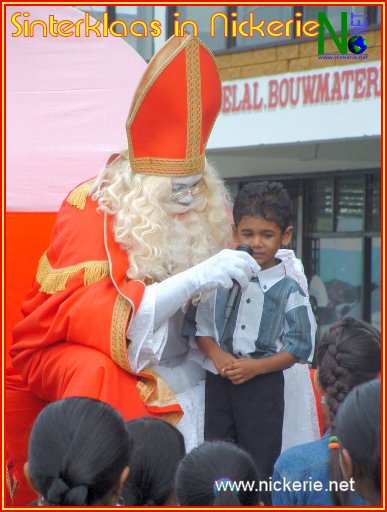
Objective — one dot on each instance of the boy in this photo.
(270, 329)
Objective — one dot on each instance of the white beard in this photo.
(162, 237)
(187, 240)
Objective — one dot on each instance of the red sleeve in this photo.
(81, 295)
(74, 297)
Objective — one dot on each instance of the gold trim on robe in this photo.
(53, 280)
(78, 196)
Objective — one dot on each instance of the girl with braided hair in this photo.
(78, 454)
(348, 354)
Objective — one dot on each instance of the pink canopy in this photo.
(67, 100)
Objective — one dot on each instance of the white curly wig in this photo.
(163, 238)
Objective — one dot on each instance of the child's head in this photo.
(78, 453)
(262, 220)
(348, 354)
(358, 431)
(157, 449)
(207, 476)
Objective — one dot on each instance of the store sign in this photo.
(308, 89)
(329, 103)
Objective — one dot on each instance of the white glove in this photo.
(217, 271)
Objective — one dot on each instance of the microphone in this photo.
(234, 292)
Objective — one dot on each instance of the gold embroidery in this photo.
(118, 340)
(194, 100)
(155, 392)
(54, 280)
(78, 196)
(164, 166)
(172, 417)
(146, 388)
(167, 166)
(209, 52)
(11, 486)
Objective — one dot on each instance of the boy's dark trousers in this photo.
(250, 414)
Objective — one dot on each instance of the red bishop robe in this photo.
(72, 340)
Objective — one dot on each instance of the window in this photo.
(127, 14)
(202, 17)
(350, 204)
(377, 15)
(258, 13)
(321, 216)
(373, 210)
(342, 246)
(339, 204)
(333, 13)
(95, 11)
(336, 284)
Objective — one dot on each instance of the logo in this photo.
(350, 38)
(357, 44)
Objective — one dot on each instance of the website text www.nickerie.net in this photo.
(343, 57)
(284, 485)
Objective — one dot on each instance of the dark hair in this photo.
(348, 354)
(78, 449)
(158, 447)
(266, 199)
(358, 428)
(205, 475)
